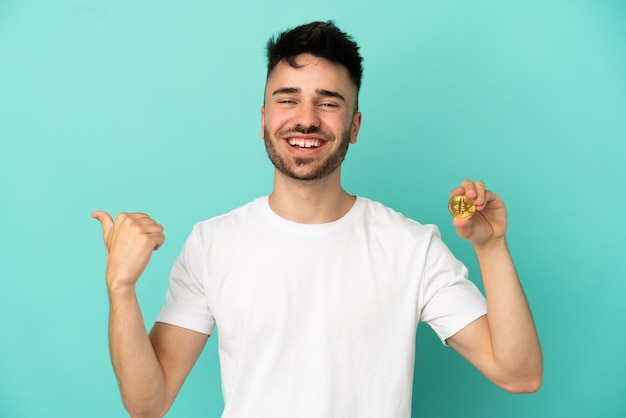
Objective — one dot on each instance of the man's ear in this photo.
(356, 125)
(262, 122)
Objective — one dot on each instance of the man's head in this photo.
(310, 113)
(320, 39)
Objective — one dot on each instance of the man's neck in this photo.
(310, 202)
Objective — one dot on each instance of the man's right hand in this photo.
(129, 242)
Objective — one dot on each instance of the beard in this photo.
(322, 170)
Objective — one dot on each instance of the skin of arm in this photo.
(503, 344)
(150, 369)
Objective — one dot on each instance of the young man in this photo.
(317, 294)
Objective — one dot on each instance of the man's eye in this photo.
(328, 104)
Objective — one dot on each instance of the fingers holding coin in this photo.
(468, 198)
(476, 191)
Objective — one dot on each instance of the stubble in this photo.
(319, 172)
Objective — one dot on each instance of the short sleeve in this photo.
(186, 303)
(451, 300)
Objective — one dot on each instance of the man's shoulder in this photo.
(235, 218)
(379, 210)
(387, 218)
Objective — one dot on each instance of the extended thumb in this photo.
(105, 220)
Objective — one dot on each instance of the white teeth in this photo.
(304, 143)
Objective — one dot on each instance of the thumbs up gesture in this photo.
(129, 242)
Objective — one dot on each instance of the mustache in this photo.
(300, 129)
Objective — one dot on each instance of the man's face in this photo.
(309, 117)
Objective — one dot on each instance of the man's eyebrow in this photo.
(329, 93)
(286, 90)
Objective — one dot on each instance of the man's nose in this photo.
(308, 116)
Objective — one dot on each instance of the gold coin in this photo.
(461, 207)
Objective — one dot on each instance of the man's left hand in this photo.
(489, 223)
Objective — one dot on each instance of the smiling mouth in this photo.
(305, 143)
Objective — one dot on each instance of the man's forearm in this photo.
(515, 342)
(139, 374)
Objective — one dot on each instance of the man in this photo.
(317, 294)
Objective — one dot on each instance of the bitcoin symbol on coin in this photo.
(461, 207)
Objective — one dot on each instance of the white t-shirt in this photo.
(318, 320)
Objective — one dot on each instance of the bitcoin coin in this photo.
(461, 207)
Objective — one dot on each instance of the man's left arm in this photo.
(503, 344)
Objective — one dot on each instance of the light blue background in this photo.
(154, 106)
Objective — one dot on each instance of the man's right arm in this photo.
(150, 369)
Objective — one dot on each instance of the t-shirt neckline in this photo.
(278, 220)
